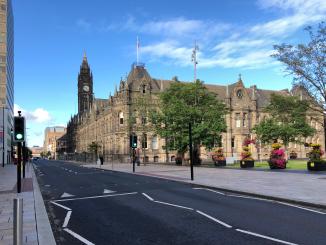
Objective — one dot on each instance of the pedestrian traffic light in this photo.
(19, 129)
(133, 141)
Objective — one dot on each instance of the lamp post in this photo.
(3, 136)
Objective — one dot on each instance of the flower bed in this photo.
(218, 157)
(315, 162)
(277, 157)
(246, 156)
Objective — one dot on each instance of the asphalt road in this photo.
(94, 206)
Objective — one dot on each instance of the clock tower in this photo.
(85, 87)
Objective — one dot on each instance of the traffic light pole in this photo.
(133, 160)
(191, 154)
(24, 158)
(19, 153)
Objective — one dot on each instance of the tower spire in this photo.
(85, 57)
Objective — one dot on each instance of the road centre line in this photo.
(174, 205)
(80, 238)
(67, 218)
(94, 197)
(266, 237)
(214, 219)
(61, 206)
(218, 192)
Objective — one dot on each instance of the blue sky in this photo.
(234, 37)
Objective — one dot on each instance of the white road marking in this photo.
(61, 206)
(47, 185)
(107, 191)
(174, 205)
(94, 197)
(218, 192)
(65, 194)
(248, 197)
(80, 238)
(65, 223)
(148, 197)
(266, 237)
(307, 209)
(214, 219)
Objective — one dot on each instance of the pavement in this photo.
(101, 206)
(301, 187)
(36, 226)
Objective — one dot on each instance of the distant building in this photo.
(6, 79)
(51, 134)
(36, 151)
(108, 121)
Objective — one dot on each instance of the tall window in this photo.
(237, 120)
(144, 141)
(232, 142)
(144, 89)
(143, 120)
(154, 143)
(244, 120)
(120, 118)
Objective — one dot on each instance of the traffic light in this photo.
(19, 129)
(133, 141)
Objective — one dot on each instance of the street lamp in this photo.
(3, 136)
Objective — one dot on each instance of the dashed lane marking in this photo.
(266, 237)
(218, 192)
(79, 237)
(94, 197)
(214, 219)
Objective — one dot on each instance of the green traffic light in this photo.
(19, 136)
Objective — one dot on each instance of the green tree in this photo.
(184, 103)
(94, 147)
(307, 62)
(287, 121)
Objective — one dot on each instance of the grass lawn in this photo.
(292, 164)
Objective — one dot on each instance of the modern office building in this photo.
(6, 79)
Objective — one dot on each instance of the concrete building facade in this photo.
(6, 79)
(51, 135)
(109, 122)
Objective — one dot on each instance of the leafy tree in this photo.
(94, 147)
(287, 121)
(307, 62)
(184, 103)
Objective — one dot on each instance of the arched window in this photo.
(154, 143)
(121, 118)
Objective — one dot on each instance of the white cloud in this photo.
(83, 24)
(39, 115)
(244, 46)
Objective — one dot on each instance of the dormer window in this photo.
(239, 94)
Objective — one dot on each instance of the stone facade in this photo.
(109, 122)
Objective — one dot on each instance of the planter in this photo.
(178, 161)
(247, 164)
(220, 163)
(316, 165)
(274, 166)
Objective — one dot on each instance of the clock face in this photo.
(86, 88)
(239, 93)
